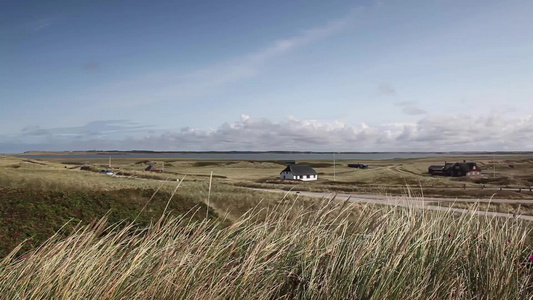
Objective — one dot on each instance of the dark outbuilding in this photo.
(358, 166)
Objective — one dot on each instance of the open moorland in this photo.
(199, 231)
(502, 176)
(38, 197)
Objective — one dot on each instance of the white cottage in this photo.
(299, 172)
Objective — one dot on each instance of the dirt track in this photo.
(415, 202)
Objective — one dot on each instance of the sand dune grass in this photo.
(325, 253)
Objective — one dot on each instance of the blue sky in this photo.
(266, 75)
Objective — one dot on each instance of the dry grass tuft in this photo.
(323, 252)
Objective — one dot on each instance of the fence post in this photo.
(520, 190)
(500, 188)
(530, 188)
(464, 186)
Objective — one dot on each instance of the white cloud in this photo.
(100, 128)
(244, 117)
(162, 86)
(411, 108)
(432, 133)
(307, 36)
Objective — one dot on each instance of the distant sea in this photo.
(277, 156)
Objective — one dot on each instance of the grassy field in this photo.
(384, 176)
(38, 197)
(325, 253)
(511, 208)
(186, 234)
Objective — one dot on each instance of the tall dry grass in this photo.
(381, 253)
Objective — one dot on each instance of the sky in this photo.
(374, 75)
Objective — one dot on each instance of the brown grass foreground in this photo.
(328, 253)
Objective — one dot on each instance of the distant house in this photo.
(151, 168)
(299, 172)
(464, 169)
(440, 170)
(457, 169)
(436, 170)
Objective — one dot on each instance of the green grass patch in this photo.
(35, 215)
(208, 163)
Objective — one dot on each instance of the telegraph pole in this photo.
(494, 165)
(334, 178)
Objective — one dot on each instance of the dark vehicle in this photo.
(358, 166)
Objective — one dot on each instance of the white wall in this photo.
(288, 175)
(309, 178)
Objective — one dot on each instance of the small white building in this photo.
(299, 172)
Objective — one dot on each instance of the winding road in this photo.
(414, 202)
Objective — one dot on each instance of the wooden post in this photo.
(464, 186)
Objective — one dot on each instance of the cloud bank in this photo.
(100, 129)
(432, 133)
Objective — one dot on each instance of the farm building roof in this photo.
(300, 170)
(436, 168)
(151, 168)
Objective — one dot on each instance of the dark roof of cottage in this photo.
(447, 166)
(436, 167)
(151, 168)
(465, 166)
(300, 170)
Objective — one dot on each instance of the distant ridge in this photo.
(107, 152)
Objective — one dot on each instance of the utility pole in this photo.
(110, 162)
(334, 178)
(494, 165)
